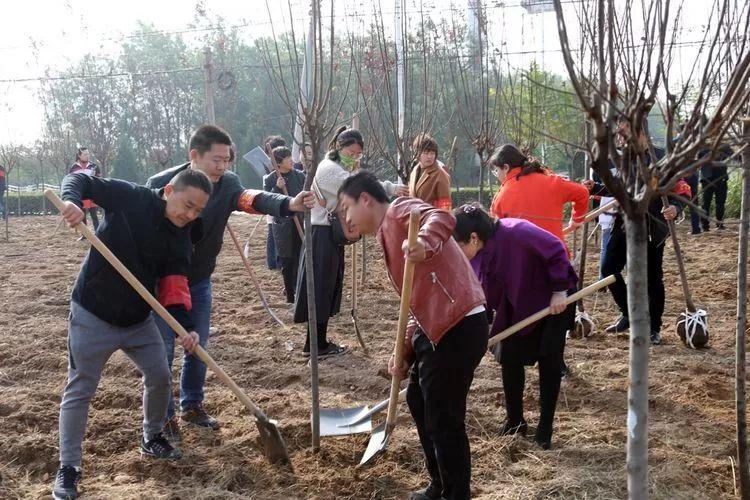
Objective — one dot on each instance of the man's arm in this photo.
(110, 194)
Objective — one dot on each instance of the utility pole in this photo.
(208, 77)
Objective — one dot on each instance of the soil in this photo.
(692, 442)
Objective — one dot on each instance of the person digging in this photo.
(447, 333)
(211, 152)
(150, 231)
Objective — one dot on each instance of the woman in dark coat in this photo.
(523, 269)
(286, 238)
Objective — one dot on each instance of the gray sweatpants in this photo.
(91, 342)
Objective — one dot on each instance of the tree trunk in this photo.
(640, 329)
(740, 406)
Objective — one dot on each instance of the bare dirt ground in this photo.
(691, 401)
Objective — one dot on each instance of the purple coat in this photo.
(519, 268)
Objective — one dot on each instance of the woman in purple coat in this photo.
(523, 269)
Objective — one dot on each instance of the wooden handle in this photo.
(403, 317)
(354, 277)
(680, 262)
(160, 310)
(545, 312)
(594, 214)
(248, 267)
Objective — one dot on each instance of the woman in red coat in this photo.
(84, 166)
(530, 191)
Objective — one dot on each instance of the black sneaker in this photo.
(432, 492)
(622, 325)
(329, 351)
(66, 483)
(159, 447)
(509, 429)
(655, 338)
(171, 431)
(196, 415)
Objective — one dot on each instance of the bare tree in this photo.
(632, 55)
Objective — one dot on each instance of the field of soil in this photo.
(691, 398)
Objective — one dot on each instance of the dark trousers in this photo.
(289, 266)
(714, 189)
(322, 336)
(695, 217)
(94, 217)
(614, 262)
(437, 392)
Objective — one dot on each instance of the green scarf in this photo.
(347, 161)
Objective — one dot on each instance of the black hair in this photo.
(471, 218)
(343, 137)
(273, 141)
(79, 151)
(510, 155)
(280, 153)
(191, 177)
(363, 182)
(206, 136)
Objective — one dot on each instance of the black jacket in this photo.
(136, 230)
(716, 170)
(658, 229)
(288, 242)
(224, 200)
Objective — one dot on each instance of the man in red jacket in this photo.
(447, 333)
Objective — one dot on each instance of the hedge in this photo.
(30, 204)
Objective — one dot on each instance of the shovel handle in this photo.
(403, 318)
(159, 309)
(594, 214)
(545, 312)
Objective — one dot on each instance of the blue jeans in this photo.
(193, 375)
(271, 259)
(606, 233)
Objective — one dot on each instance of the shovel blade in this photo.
(378, 443)
(341, 422)
(273, 444)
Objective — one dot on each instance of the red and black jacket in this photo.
(136, 230)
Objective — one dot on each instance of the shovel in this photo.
(355, 320)
(580, 294)
(337, 422)
(270, 437)
(244, 256)
(594, 214)
(380, 436)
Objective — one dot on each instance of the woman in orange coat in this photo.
(530, 191)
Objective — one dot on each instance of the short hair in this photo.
(206, 136)
(471, 218)
(273, 142)
(281, 153)
(424, 142)
(191, 177)
(363, 182)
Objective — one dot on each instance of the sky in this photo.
(42, 37)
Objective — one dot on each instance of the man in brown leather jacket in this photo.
(447, 333)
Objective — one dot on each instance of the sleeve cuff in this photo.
(174, 291)
(245, 203)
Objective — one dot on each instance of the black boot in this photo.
(622, 325)
(511, 428)
(432, 492)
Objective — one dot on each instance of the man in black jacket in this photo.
(210, 152)
(615, 255)
(150, 232)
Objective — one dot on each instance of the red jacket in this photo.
(540, 198)
(445, 287)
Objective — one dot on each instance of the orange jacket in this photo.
(540, 198)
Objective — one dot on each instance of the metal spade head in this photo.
(341, 422)
(378, 443)
(273, 444)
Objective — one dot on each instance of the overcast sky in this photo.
(39, 36)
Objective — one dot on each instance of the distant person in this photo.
(85, 166)
(3, 189)
(427, 180)
(286, 237)
(715, 182)
(306, 157)
(272, 260)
